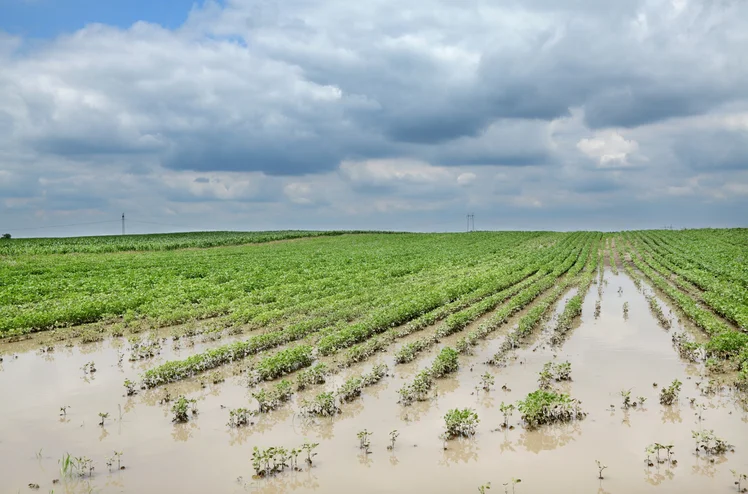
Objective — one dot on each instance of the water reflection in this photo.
(183, 432)
(549, 437)
(657, 475)
(461, 450)
(285, 482)
(707, 466)
(670, 414)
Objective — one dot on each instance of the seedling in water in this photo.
(239, 417)
(89, 367)
(482, 489)
(393, 437)
(709, 443)
(181, 409)
(739, 479)
(626, 395)
(103, 416)
(460, 422)
(600, 468)
(64, 411)
(130, 387)
(642, 399)
(486, 382)
(507, 411)
(512, 482)
(625, 309)
(363, 440)
(669, 395)
(309, 447)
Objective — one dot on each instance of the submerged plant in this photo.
(709, 443)
(739, 479)
(393, 437)
(181, 408)
(482, 489)
(600, 468)
(363, 440)
(626, 395)
(445, 363)
(486, 381)
(64, 410)
(239, 417)
(324, 405)
(103, 416)
(507, 411)
(545, 407)
(317, 374)
(129, 387)
(309, 448)
(669, 395)
(460, 422)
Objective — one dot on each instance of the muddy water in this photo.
(608, 354)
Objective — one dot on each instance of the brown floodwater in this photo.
(608, 353)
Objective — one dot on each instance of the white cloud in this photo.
(609, 148)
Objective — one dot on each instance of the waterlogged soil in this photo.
(608, 353)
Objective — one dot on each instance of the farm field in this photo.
(368, 362)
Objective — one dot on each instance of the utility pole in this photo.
(123, 223)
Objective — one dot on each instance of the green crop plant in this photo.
(323, 405)
(739, 479)
(485, 487)
(669, 395)
(486, 381)
(364, 441)
(445, 363)
(419, 389)
(240, 417)
(626, 395)
(506, 410)
(709, 443)
(546, 407)
(317, 374)
(600, 468)
(103, 416)
(182, 408)
(130, 387)
(309, 448)
(393, 437)
(460, 422)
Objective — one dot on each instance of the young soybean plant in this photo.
(363, 440)
(393, 437)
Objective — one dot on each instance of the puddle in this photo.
(608, 354)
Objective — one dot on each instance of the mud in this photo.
(608, 354)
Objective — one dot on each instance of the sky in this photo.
(390, 115)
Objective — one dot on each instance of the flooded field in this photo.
(608, 352)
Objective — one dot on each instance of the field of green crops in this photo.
(311, 322)
(347, 289)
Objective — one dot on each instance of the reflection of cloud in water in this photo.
(549, 437)
(460, 450)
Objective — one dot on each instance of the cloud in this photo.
(355, 112)
(609, 148)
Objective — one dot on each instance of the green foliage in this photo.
(240, 417)
(460, 422)
(546, 407)
(284, 362)
(669, 395)
(323, 405)
(182, 407)
(271, 399)
(445, 363)
(316, 375)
